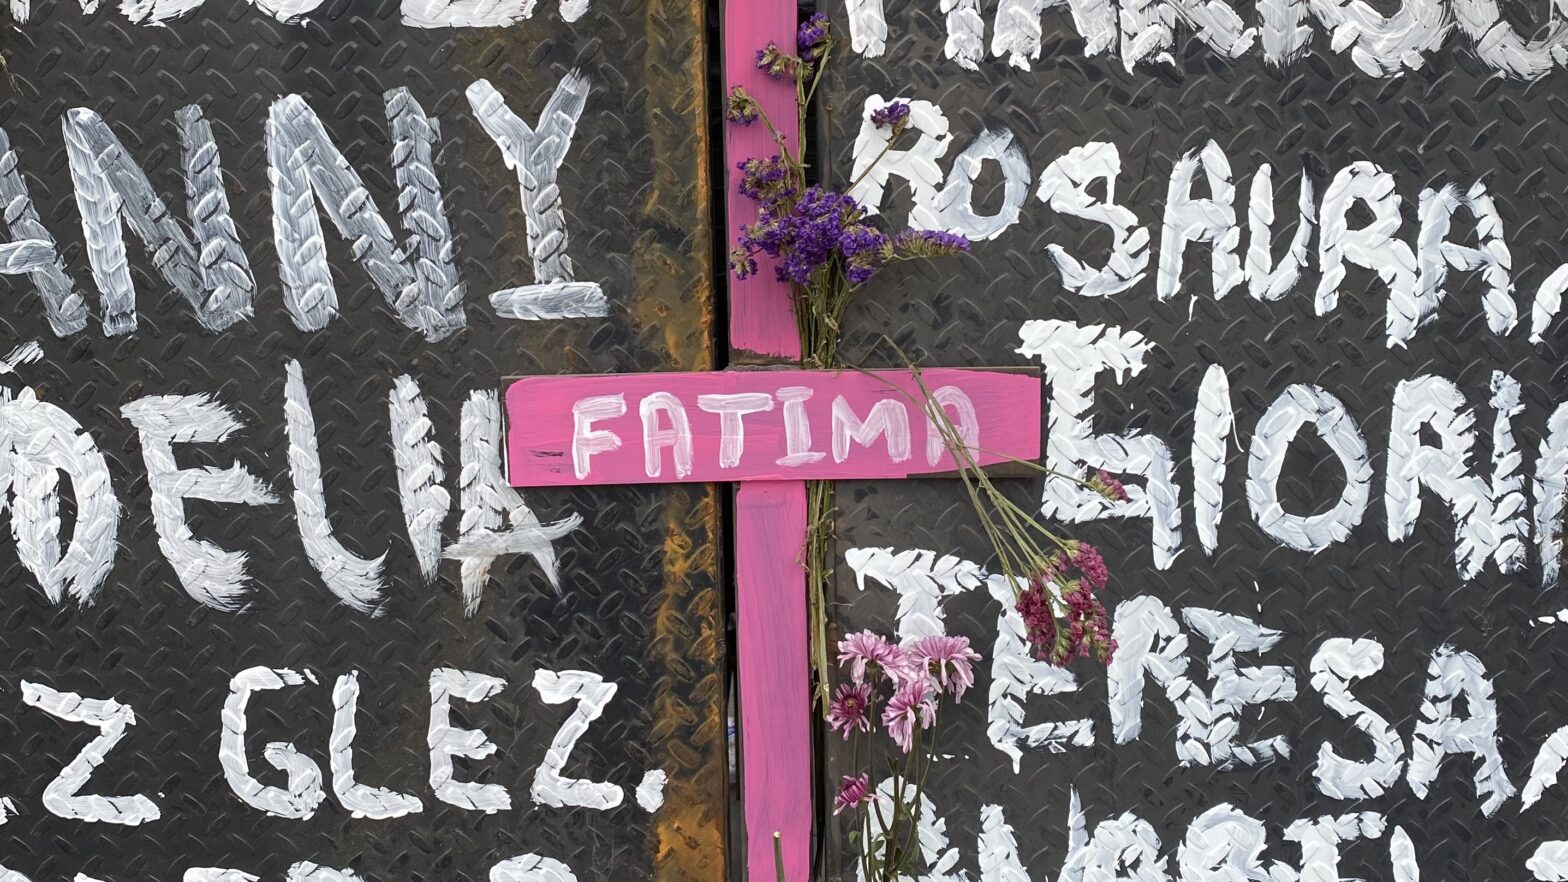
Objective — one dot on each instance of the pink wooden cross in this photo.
(770, 431)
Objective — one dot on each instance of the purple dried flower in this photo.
(893, 115)
(1090, 565)
(741, 108)
(929, 243)
(1038, 611)
(1104, 484)
(812, 35)
(742, 264)
(1074, 624)
(768, 181)
(775, 62)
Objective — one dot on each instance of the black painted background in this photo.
(147, 644)
(1453, 121)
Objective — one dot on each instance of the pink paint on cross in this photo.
(762, 425)
(767, 430)
(571, 431)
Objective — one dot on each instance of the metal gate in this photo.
(272, 607)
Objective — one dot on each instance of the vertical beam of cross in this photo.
(770, 519)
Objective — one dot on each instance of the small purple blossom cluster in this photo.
(912, 680)
(813, 37)
(893, 115)
(1070, 621)
(808, 234)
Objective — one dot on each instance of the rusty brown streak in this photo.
(674, 311)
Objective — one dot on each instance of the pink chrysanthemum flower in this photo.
(949, 660)
(852, 794)
(913, 704)
(850, 710)
(866, 649)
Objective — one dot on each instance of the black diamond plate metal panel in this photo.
(638, 602)
(1455, 120)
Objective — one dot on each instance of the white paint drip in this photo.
(1436, 403)
(1210, 221)
(420, 473)
(1121, 848)
(550, 786)
(480, 13)
(666, 425)
(952, 207)
(1297, 406)
(1548, 302)
(1435, 255)
(1549, 862)
(867, 27)
(1267, 280)
(354, 580)
(1321, 838)
(930, 831)
(436, 301)
(922, 580)
(529, 868)
(1499, 44)
(732, 410)
(1064, 186)
(998, 848)
(111, 718)
(1551, 486)
(1213, 421)
(1074, 355)
(1510, 508)
(486, 498)
(1338, 663)
(33, 250)
(217, 874)
(211, 575)
(1384, 46)
(418, 281)
(1375, 246)
(1018, 31)
(305, 871)
(650, 790)
(1237, 688)
(536, 155)
(888, 420)
(212, 272)
(361, 800)
(1149, 29)
(1549, 762)
(1224, 844)
(39, 442)
(304, 791)
(916, 164)
(965, 33)
(1149, 643)
(1450, 676)
(559, 300)
(447, 741)
(1015, 675)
